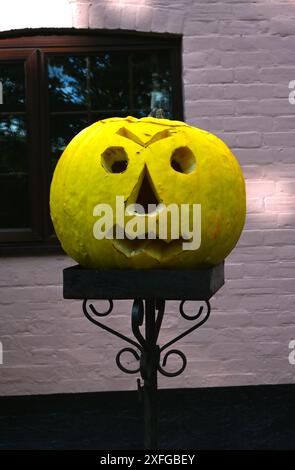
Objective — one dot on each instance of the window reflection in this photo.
(152, 84)
(14, 209)
(12, 144)
(63, 129)
(109, 82)
(160, 102)
(13, 81)
(67, 81)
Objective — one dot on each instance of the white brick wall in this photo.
(238, 59)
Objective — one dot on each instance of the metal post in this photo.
(149, 288)
(151, 359)
(147, 352)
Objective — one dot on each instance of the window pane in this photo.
(14, 212)
(152, 84)
(67, 79)
(99, 116)
(12, 76)
(109, 81)
(62, 130)
(101, 83)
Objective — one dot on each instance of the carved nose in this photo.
(146, 194)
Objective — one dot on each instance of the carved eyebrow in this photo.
(159, 136)
(129, 135)
(123, 132)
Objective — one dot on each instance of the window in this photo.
(53, 87)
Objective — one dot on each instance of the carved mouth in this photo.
(155, 248)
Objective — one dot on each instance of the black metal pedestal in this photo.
(149, 289)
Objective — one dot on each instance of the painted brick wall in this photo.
(238, 59)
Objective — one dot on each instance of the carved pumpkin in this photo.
(146, 160)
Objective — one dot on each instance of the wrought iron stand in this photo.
(149, 289)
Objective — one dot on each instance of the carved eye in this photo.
(183, 160)
(114, 160)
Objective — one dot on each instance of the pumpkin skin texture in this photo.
(210, 176)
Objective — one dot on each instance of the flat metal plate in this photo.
(188, 284)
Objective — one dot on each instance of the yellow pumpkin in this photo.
(147, 160)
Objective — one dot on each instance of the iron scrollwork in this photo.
(140, 348)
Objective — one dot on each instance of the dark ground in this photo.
(260, 417)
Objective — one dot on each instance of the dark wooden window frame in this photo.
(33, 46)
